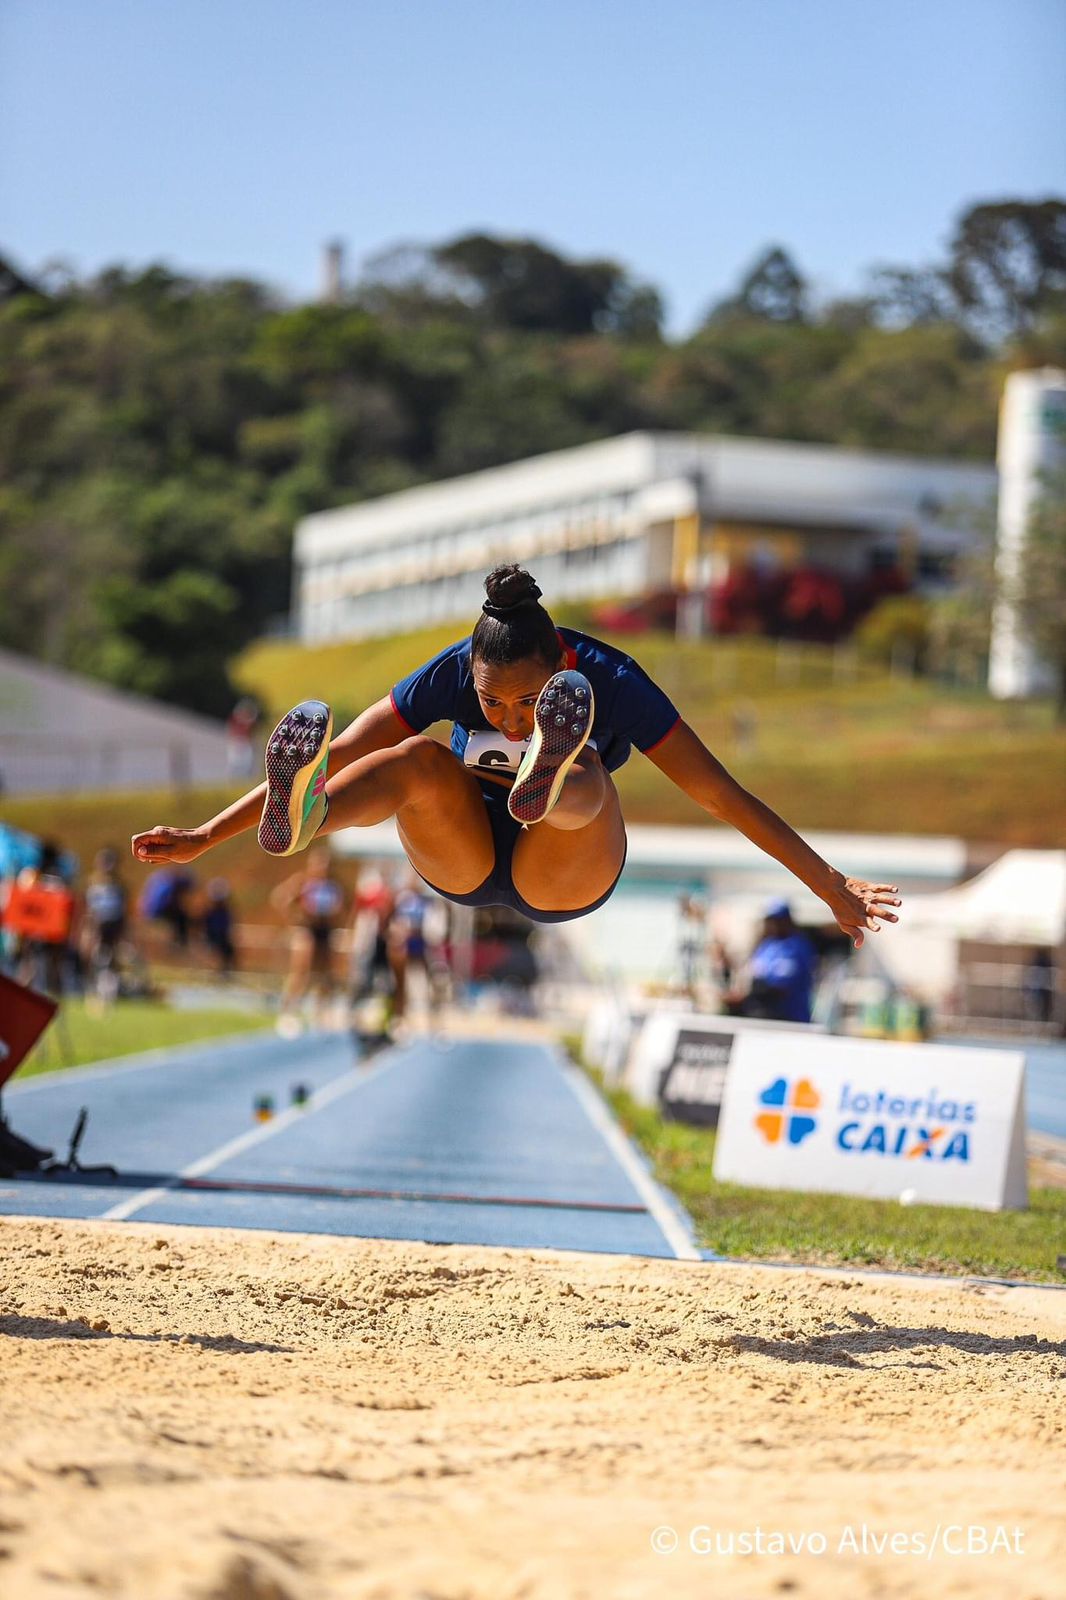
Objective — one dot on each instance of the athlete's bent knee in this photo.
(429, 764)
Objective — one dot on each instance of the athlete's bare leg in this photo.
(560, 864)
(439, 810)
(586, 790)
(576, 853)
(298, 976)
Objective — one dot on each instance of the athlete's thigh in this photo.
(300, 950)
(444, 826)
(321, 952)
(564, 869)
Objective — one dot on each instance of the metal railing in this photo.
(1007, 997)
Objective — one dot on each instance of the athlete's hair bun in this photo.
(512, 626)
(508, 587)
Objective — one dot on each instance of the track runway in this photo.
(445, 1140)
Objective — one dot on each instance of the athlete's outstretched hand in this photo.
(858, 905)
(169, 844)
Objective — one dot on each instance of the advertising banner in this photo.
(678, 1058)
(913, 1122)
(694, 1080)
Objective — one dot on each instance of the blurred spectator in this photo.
(240, 738)
(318, 899)
(165, 898)
(780, 973)
(691, 940)
(721, 966)
(104, 925)
(38, 918)
(413, 936)
(218, 926)
(371, 968)
(503, 952)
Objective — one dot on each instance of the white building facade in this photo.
(626, 517)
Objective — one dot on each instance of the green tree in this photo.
(519, 283)
(772, 290)
(897, 629)
(171, 641)
(1008, 263)
(923, 390)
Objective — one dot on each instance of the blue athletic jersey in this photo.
(630, 708)
(787, 964)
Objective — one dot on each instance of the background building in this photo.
(625, 517)
(1032, 443)
(62, 733)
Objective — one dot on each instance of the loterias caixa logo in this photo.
(909, 1127)
(789, 1119)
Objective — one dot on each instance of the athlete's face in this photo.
(509, 694)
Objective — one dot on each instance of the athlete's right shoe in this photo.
(562, 722)
(295, 806)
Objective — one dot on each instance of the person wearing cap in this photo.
(520, 809)
(781, 971)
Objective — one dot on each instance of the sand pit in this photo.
(247, 1416)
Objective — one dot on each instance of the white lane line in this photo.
(671, 1226)
(246, 1141)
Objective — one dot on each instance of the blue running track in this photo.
(481, 1141)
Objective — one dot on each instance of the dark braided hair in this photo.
(513, 625)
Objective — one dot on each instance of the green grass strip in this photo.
(843, 1230)
(79, 1037)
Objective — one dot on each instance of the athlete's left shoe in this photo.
(562, 723)
(295, 806)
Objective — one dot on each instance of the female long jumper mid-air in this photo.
(521, 810)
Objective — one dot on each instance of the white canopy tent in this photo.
(1019, 899)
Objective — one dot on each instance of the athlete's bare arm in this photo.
(377, 728)
(855, 904)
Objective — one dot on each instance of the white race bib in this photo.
(493, 753)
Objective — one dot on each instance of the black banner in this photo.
(691, 1087)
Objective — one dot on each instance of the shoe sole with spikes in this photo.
(562, 721)
(296, 757)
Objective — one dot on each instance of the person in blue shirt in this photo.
(781, 971)
(521, 808)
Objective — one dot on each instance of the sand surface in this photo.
(250, 1416)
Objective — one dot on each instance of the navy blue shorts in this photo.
(498, 888)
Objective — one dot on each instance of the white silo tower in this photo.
(1032, 442)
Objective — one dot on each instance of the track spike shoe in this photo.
(562, 720)
(295, 806)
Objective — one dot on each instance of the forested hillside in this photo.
(160, 435)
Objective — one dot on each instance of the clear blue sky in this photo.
(679, 136)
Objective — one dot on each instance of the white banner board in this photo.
(933, 1123)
